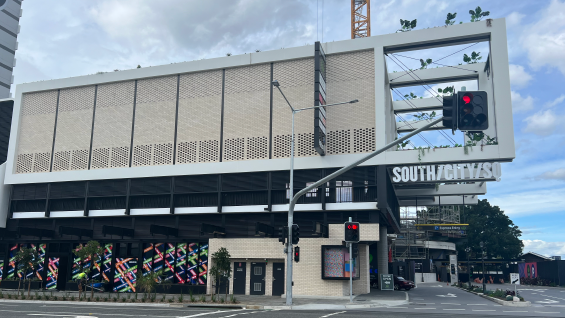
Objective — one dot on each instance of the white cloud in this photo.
(514, 19)
(518, 76)
(556, 101)
(530, 202)
(544, 40)
(542, 123)
(558, 174)
(544, 248)
(521, 104)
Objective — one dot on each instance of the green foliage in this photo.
(450, 20)
(423, 116)
(181, 297)
(232, 299)
(410, 96)
(490, 225)
(203, 298)
(213, 298)
(448, 91)
(221, 266)
(407, 25)
(478, 14)
(425, 63)
(93, 251)
(192, 299)
(138, 66)
(27, 259)
(402, 145)
(474, 58)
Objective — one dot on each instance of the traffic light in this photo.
(472, 110)
(297, 254)
(352, 232)
(453, 269)
(295, 234)
(450, 113)
(354, 250)
(283, 234)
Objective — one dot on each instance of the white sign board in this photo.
(455, 172)
(515, 278)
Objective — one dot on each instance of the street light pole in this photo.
(483, 258)
(467, 251)
(289, 246)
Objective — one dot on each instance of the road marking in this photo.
(484, 310)
(553, 297)
(335, 313)
(516, 311)
(547, 312)
(55, 315)
(450, 295)
(211, 313)
(477, 304)
(397, 307)
(424, 308)
(425, 303)
(451, 304)
(454, 309)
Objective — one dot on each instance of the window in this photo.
(258, 271)
(257, 286)
(343, 191)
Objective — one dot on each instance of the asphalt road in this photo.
(428, 300)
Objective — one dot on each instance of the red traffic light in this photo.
(467, 99)
(352, 226)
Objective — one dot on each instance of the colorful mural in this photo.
(41, 248)
(125, 275)
(107, 262)
(147, 258)
(203, 265)
(12, 261)
(192, 264)
(158, 257)
(169, 262)
(528, 270)
(75, 271)
(180, 265)
(52, 273)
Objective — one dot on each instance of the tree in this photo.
(91, 251)
(450, 18)
(221, 267)
(407, 25)
(478, 14)
(474, 58)
(27, 259)
(490, 225)
(425, 63)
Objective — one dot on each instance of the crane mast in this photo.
(360, 18)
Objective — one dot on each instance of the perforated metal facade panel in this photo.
(297, 82)
(199, 120)
(112, 125)
(74, 125)
(35, 137)
(351, 127)
(247, 112)
(154, 121)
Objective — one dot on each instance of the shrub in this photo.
(181, 297)
(508, 297)
(97, 298)
(73, 297)
(171, 300)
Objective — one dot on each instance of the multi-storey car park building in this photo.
(165, 165)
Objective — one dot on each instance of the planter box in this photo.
(13, 284)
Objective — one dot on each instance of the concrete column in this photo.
(382, 251)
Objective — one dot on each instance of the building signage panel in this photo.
(387, 282)
(461, 171)
(442, 227)
(319, 99)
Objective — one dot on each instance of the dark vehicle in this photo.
(401, 283)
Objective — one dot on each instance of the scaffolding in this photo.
(411, 242)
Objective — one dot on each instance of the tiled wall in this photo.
(307, 272)
(237, 99)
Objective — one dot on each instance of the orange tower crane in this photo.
(360, 18)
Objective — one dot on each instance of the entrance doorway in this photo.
(239, 276)
(257, 279)
(278, 279)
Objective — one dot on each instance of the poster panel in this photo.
(203, 264)
(192, 264)
(52, 273)
(180, 265)
(147, 258)
(126, 275)
(12, 261)
(169, 259)
(41, 248)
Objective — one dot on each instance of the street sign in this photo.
(515, 278)
(387, 282)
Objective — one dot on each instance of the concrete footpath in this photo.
(375, 299)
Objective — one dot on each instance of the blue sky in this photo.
(69, 38)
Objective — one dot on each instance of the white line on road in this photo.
(424, 308)
(211, 313)
(425, 303)
(547, 312)
(451, 304)
(484, 310)
(516, 311)
(477, 304)
(335, 313)
(398, 307)
(454, 309)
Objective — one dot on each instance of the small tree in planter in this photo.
(28, 259)
(92, 250)
(221, 267)
(148, 283)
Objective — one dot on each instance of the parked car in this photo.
(401, 283)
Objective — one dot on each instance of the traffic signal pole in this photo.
(323, 181)
(350, 269)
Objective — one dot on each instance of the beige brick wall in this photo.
(306, 273)
(154, 131)
(35, 136)
(112, 125)
(200, 115)
(74, 128)
(368, 232)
